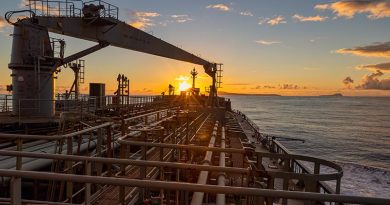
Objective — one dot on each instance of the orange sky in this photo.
(282, 47)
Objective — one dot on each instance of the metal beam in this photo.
(120, 35)
(83, 53)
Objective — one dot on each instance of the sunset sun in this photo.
(184, 85)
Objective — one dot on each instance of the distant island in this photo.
(227, 93)
(333, 95)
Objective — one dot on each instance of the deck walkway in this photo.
(269, 165)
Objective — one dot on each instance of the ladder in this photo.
(219, 75)
(81, 64)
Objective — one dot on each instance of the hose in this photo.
(9, 14)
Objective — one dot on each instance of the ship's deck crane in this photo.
(97, 21)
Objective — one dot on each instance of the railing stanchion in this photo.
(109, 147)
(87, 185)
(69, 184)
(16, 182)
(16, 190)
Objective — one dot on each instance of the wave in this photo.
(363, 180)
(363, 166)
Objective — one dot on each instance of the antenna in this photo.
(194, 73)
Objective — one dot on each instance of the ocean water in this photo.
(352, 131)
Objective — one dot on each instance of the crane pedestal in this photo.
(31, 65)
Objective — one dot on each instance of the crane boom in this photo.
(120, 35)
(34, 61)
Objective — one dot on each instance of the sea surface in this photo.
(352, 131)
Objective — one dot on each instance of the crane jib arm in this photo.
(120, 35)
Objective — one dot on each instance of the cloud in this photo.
(264, 42)
(263, 20)
(375, 67)
(220, 7)
(144, 91)
(246, 13)
(181, 18)
(3, 24)
(375, 9)
(315, 39)
(373, 50)
(317, 18)
(263, 87)
(177, 18)
(348, 82)
(272, 21)
(141, 19)
(236, 84)
(291, 87)
(280, 87)
(321, 6)
(276, 21)
(372, 81)
(26, 3)
(182, 78)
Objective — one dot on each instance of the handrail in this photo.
(294, 157)
(84, 104)
(297, 166)
(146, 163)
(53, 137)
(65, 8)
(154, 184)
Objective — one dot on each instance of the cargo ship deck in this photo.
(173, 155)
(170, 149)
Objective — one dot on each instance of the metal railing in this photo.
(6, 103)
(61, 104)
(155, 184)
(64, 8)
(296, 166)
(106, 179)
(130, 99)
(70, 8)
(103, 141)
(83, 103)
(251, 123)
